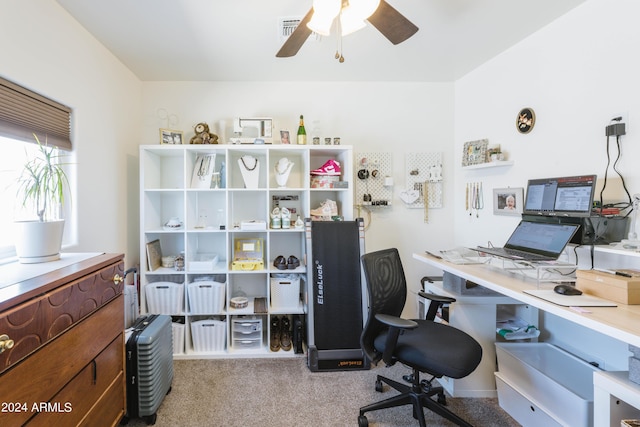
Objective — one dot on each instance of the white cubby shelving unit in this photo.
(165, 193)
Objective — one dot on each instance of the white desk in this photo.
(621, 322)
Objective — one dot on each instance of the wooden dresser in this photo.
(65, 333)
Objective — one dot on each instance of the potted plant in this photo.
(41, 187)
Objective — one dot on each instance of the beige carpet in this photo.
(284, 392)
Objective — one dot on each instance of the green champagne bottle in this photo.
(302, 133)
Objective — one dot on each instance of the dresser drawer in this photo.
(39, 320)
(44, 373)
(104, 373)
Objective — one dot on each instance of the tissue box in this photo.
(625, 290)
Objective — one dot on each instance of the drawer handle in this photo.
(5, 342)
(117, 279)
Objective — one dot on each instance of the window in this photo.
(24, 113)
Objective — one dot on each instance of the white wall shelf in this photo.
(496, 164)
(166, 192)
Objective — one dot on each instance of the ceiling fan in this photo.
(391, 23)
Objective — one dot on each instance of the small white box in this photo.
(209, 335)
(206, 297)
(165, 297)
(253, 225)
(520, 407)
(551, 378)
(178, 337)
(203, 262)
(285, 292)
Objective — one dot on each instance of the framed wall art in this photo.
(168, 136)
(475, 152)
(508, 201)
(526, 120)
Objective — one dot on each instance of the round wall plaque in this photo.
(526, 120)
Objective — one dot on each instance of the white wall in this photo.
(577, 73)
(373, 117)
(44, 49)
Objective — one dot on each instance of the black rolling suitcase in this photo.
(149, 360)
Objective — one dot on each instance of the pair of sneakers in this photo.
(280, 337)
(330, 168)
(327, 208)
(280, 218)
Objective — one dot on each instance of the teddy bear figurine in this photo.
(203, 136)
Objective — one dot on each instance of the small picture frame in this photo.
(168, 136)
(508, 201)
(154, 255)
(475, 152)
(284, 137)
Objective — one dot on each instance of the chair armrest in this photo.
(396, 322)
(397, 326)
(437, 298)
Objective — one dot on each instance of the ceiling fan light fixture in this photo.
(350, 23)
(324, 12)
(354, 14)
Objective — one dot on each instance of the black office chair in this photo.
(423, 345)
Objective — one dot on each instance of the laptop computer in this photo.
(534, 241)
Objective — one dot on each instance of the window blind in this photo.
(24, 112)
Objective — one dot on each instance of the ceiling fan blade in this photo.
(295, 41)
(391, 23)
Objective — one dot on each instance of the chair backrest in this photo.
(387, 289)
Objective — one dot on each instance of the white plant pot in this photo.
(38, 241)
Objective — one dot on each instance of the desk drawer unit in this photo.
(552, 379)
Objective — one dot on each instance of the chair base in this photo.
(417, 395)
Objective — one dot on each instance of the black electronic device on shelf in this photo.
(569, 200)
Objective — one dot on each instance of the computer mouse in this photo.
(564, 289)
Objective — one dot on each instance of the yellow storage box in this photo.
(248, 254)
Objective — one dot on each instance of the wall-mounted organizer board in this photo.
(373, 174)
(423, 169)
(227, 291)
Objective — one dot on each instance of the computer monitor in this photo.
(570, 196)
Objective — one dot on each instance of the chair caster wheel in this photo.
(378, 386)
(363, 421)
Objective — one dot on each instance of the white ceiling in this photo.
(236, 40)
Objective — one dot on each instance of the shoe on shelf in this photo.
(280, 262)
(330, 168)
(276, 331)
(293, 263)
(286, 217)
(326, 208)
(285, 333)
(276, 216)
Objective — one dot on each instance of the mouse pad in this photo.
(583, 300)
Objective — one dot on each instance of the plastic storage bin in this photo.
(165, 297)
(209, 335)
(521, 407)
(555, 381)
(178, 337)
(285, 292)
(246, 332)
(206, 297)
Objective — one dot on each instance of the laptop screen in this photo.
(570, 196)
(541, 238)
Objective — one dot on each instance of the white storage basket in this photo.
(206, 297)
(178, 337)
(209, 335)
(285, 292)
(165, 297)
